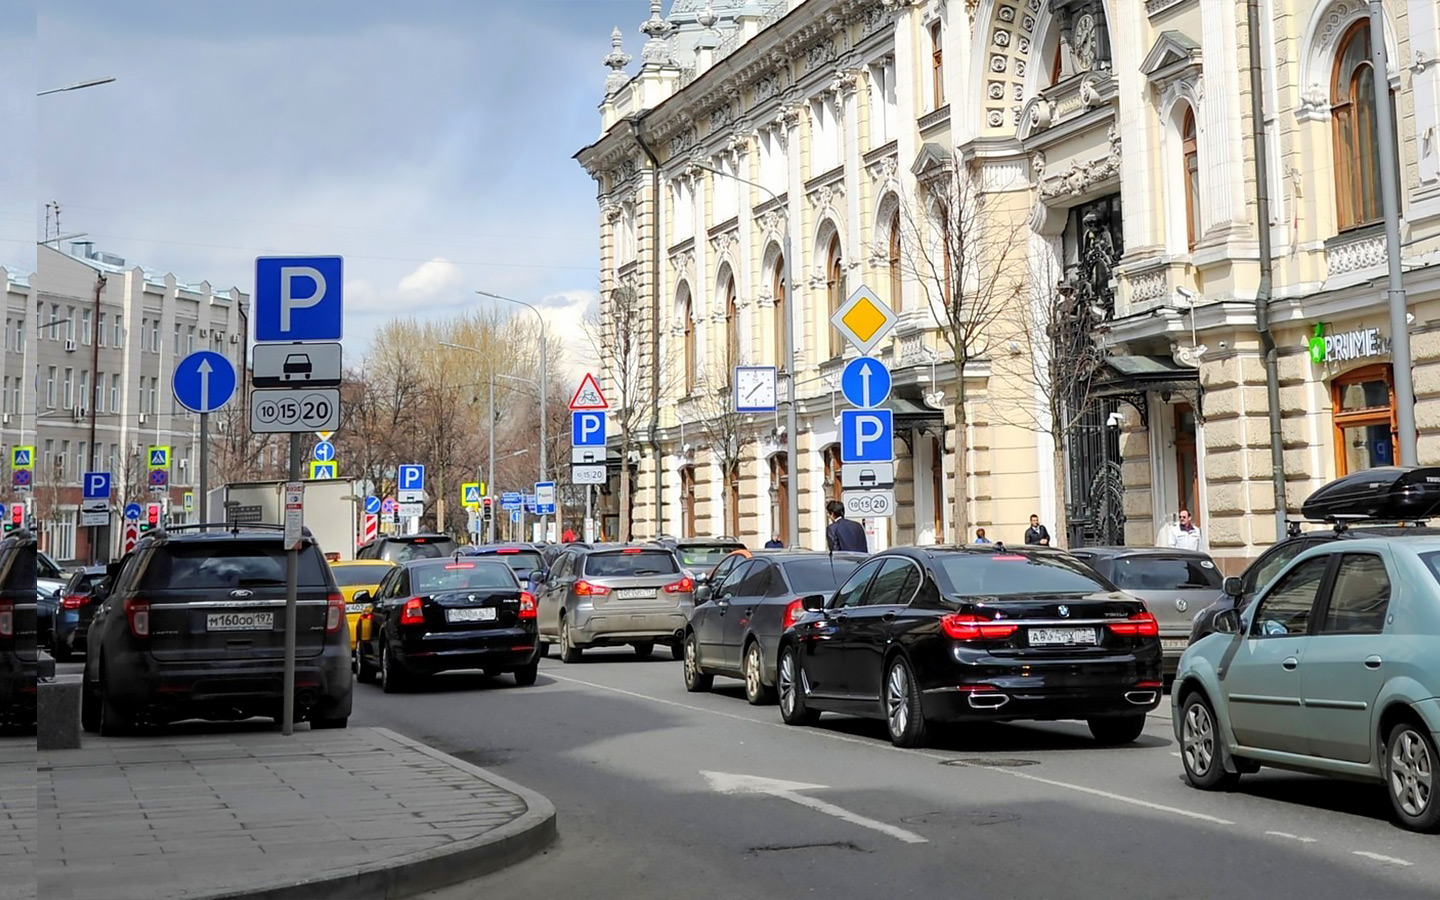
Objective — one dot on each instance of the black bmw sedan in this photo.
(974, 633)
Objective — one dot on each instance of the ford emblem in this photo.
(1064, 610)
(1180, 604)
(242, 594)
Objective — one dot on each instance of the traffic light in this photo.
(485, 508)
(16, 518)
(152, 518)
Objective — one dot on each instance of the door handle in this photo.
(889, 616)
(1290, 664)
(1373, 662)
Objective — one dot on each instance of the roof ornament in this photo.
(656, 51)
(617, 61)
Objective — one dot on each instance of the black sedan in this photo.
(737, 631)
(974, 633)
(437, 615)
(17, 631)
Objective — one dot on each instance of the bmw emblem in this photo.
(1064, 610)
(1180, 604)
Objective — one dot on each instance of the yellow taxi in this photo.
(358, 575)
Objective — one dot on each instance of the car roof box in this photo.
(1388, 493)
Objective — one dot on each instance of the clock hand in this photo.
(758, 386)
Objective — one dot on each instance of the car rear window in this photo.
(208, 565)
(1015, 575)
(704, 557)
(83, 582)
(816, 576)
(517, 560)
(1160, 573)
(465, 575)
(631, 562)
(358, 576)
(420, 548)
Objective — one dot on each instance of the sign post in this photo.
(867, 433)
(588, 427)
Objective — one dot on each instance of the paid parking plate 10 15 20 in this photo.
(290, 411)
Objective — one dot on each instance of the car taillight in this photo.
(527, 605)
(7, 619)
(683, 586)
(795, 610)
(412, 614)
(1142, 624)
(586, 589)
(73, 601)
(334, 613)
(137, 613)
(965, 627)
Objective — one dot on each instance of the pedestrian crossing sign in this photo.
(159, 458)
(22, 457)
(189, 501)
(470, 494)
(323, 471)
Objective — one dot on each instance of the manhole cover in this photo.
(991, 762)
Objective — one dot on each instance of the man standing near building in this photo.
(1184, 535)
(1036, 534)
(843, 534)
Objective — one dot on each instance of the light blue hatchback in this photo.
(1333, 670)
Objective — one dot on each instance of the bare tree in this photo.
(618, 335)
(725, 431)
(969, 261)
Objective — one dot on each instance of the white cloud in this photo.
(565, 314)
(434, 278)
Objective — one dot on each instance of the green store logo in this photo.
(1317, 344)
(1361, 343)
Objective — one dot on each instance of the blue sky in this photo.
(428, 141)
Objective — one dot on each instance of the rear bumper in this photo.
(954, 705)
(139, 682)
(508, 648)
(17, 690)
(612, 625)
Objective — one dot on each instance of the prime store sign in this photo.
(1362, 343)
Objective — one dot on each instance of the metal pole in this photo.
(204, 501)
(543, 410)
(1390, 200)
(792, 430)
(292, 593)
(490, 484)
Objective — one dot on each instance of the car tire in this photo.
(544, 649)
(526, 675)
(62, 652)
(789, 675)
(677, 651)
(1410, 767)
(644, 649)
(326, 724)
(696, 681)
(112, 719)
(89, 704)
(757, 693)
(365, 671)
(1200, 746)
(1116, 730)
(904, 713)
(393, 677)
(569, 653)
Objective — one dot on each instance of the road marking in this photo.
(1119, 798)
(1292, 837)
(1384, 859)
(727, 783)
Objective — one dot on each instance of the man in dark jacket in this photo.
(843, 534)
(1036, 533)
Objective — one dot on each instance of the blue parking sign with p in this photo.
(587, 428)
(97, 486)
(298, 298)
(867, 435)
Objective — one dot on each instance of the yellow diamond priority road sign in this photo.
(864, 319)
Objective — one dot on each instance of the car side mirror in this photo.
(701, 578)
(701, 593)
(813, 602)
(1234, 587)
(98, 593)
(361, 596)
(539, 575)
(1227, 622)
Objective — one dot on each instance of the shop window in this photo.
(687, 501)
(1364, 417)
(780, 498)
(1187, 469)
(833, 472)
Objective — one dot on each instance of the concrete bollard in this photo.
(58, 716)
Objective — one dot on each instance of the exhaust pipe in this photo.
(679, 635)
(988, 701)
(1140, 698)
(306, 697)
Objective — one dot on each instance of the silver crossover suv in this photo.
(609, 595)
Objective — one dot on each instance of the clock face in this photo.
(755, 388)
(1083, 41)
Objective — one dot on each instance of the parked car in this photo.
(1173, 583)
(399, 548)
(436, 615)
(50, 581)
(353, 576)
(613, 595)
(1332, 670)
(525, 560)
(17, 630)
(974, 633)
(77, 608)
(737, 634)
(192, 625)
(699, 555)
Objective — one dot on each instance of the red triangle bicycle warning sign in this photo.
(588, 395)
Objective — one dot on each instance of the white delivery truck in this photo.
(331, 510)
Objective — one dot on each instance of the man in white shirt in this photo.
(1184, 535)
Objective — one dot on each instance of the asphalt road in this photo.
(656, 798)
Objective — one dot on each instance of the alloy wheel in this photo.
(1198, 739)
(753, 686)
(788, 687)
(1412, 773)
(897, 699)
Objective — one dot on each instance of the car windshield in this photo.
(1161, 573)
(206, 565)
(437, 578)
(818, 576)
(420, 548)
(627, 563)
(1015, 575)
(703, 557)
(517, 560)
(84, 582)
(358, 576)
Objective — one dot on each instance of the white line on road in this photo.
(726, 783)
(1289, 836)
(1384, 859)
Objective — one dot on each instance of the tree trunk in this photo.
(624, 492)
(960, 489)
(1059, 535)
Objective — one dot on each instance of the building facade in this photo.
(1118, 136)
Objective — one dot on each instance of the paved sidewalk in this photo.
(357, 813)
(17, 818)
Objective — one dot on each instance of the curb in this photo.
(427, 870)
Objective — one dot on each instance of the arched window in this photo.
(897, 282)
(834, 469)
(1356, 130)
(688, 313)
(777, 288)
(1191, 158)
(732, 331)
(780, 498)
(835, 293)
(687, 501)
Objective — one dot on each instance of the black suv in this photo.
(400, 548)
(17, 630)
(191, 624)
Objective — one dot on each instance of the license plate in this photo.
(355, 607)
(1174, 643)
(1040, 637)
(250, 621)
(484, 614)
(635, 593)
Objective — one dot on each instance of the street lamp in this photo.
(544, 352)
(77, 85)
(792, 431)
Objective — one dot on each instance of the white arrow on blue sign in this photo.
(412, 478)
(133, 511)
(865, 382)
(325, 452)
(204, 381)
(587, 428)
(97, 486)
(372, 505)
(298, 298)
(511, 500)
(867, 435)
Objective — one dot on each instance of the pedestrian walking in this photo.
(1036, 534)
(568, 537)
(980, 537)
(842, 533)
(1184, 534)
